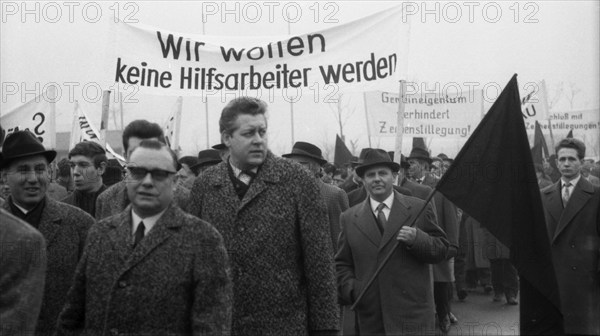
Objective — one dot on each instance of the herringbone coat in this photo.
(174, 282)
(65, 228)
(114, 199)
(279, 243)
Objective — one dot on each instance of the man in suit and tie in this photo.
(400, 300)
(114, 199)
(310, 158)
(152, 269)
(24, 163)
(572, 211)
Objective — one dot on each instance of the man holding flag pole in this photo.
(493, 180)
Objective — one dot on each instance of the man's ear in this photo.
(102, 168)
(226, 139)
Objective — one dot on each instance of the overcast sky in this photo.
(455, 42)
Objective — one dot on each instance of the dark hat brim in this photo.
(6, 161)
(360, 170)
(319, 160)
(428, 160)
(205, 163)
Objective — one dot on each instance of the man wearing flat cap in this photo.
(400, 300)
(24, 163)
(310, 158)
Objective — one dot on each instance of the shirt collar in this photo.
(388, 202)
(149, 222)
(237, 171)
(573, 181)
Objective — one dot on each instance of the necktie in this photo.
(247, 176)
(139, 233)
(381, 217)
(566, 194)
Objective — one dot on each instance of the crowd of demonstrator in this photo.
(239, 241)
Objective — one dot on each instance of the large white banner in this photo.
(37, 116)
(425, 115)
(366, 54)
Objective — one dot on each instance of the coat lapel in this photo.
(581, 195)
(121, 236)
(399, 216)
(554, 208)
(162, 230)
(267, 174)
(50, 221)
(223, 187)
(365, 221)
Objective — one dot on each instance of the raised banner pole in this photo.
(367, 117)
(400, 123)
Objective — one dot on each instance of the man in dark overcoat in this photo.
(152, 269)
(572, 211)
(114, 199)
(274, 223)
(310, 158)
(23, 265)
(24, 163)
(400, 300)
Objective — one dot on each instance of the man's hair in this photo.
(342, 172)
(241, 105)
(157, 145)
(142, 129)
(64, 168)
(90, 150)
(573, 143)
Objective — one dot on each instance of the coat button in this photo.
(122, 284)
(574, 268)
(114, 332)
(573, 246)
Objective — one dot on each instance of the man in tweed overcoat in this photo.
(274, 223)
(152, 269)
(114, 199)
(24, 163)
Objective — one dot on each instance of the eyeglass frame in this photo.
(156, 174)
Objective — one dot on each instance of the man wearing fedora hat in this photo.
(206, 158)
(353, 181)
(24, 162)
(447, 219)
(358, 195)
(420, 161)
(185, 175)
(400, 300)
(309, 156)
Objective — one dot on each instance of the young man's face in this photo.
(28, 180)
(86, 176)
(379, 182)
(248, 143)
(568, 162)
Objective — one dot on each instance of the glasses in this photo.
(139, 173)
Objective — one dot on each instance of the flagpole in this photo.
(291, 101)
(548, 111)
(177, 124)
(52, 116)
(367, 117)
(400, 123)
(121, 109)
(104, 120)
(206, 103)
(392, 250)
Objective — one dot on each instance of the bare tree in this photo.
(555, 97)
(342, 113)
(354, 146)
(572, 92)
